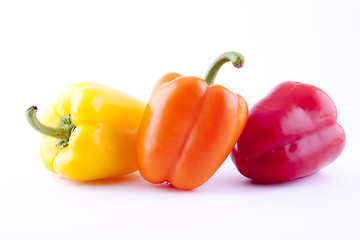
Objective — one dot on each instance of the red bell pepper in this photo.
(291, 133)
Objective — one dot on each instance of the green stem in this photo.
(62, 132)
(236, 58)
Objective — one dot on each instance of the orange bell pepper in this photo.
(189, 127)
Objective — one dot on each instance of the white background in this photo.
(129, 45)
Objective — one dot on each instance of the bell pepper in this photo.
(89, 133)
(291, 133)
(189, 127)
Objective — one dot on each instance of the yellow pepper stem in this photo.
(62, 132)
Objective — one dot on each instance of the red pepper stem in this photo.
(62, 132)
(236, 58)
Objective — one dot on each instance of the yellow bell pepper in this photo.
(89, 133)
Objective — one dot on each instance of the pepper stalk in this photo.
(236, 58)
(62, 133)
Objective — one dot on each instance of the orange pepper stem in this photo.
(62, 132)
(236, 58)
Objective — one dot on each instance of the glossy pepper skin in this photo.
(188, 129)
(291, 133)
(102, 136)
